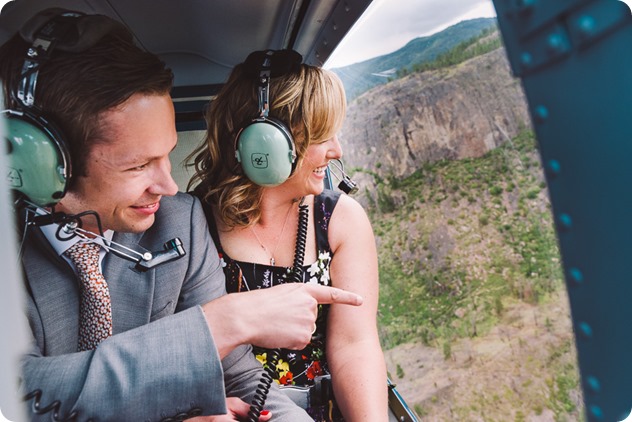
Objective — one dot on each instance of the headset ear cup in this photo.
(266, 151)
(39, 162)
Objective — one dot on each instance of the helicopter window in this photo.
(474, 315)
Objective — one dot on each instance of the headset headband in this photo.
(279, 62)
(264, 85)
(267, 64)
(58, 29)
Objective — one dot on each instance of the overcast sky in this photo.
(387, 25)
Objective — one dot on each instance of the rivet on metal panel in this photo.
(586, 25)
(553, 168)
(556, 44)
(593, 384)
(526, 6)
(566, 222)
(575, 276)
(325, 42)
(595, 412)
(541, 113)
(347, 8)
(526, 59)
(585, 330)
(335, 26)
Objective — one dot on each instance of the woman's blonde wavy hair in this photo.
(312, 104)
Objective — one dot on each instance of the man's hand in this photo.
(282, 316)
(237, 411)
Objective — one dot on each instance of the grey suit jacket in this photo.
(161, 362)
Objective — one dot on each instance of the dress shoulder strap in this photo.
(210, 220)
(324, 205)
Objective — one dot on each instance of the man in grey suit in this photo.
(178, 345)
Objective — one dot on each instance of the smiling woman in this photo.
(246, 209)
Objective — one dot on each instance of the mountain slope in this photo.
(473, 312)
(458, 112)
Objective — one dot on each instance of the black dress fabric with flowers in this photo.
(294, 367)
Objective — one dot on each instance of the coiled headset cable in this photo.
(296, 276)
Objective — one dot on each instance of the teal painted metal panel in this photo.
(575, 62)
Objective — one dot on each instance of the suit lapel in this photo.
(131, 291)
(55, 291)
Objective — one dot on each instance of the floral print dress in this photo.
(294, 367)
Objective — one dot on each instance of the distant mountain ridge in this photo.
(360, 77)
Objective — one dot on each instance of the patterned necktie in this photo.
(95, 312)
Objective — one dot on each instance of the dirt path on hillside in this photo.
(511, 373)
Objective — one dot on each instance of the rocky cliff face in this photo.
(453, 113)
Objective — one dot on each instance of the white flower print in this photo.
(319, 270)
(314, 269)
(266, 279)
(325, 277)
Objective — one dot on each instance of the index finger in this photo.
(326, 294)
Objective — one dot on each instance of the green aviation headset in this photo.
(38, 155)
(265, 148)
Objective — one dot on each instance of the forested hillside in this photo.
(471, 287)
